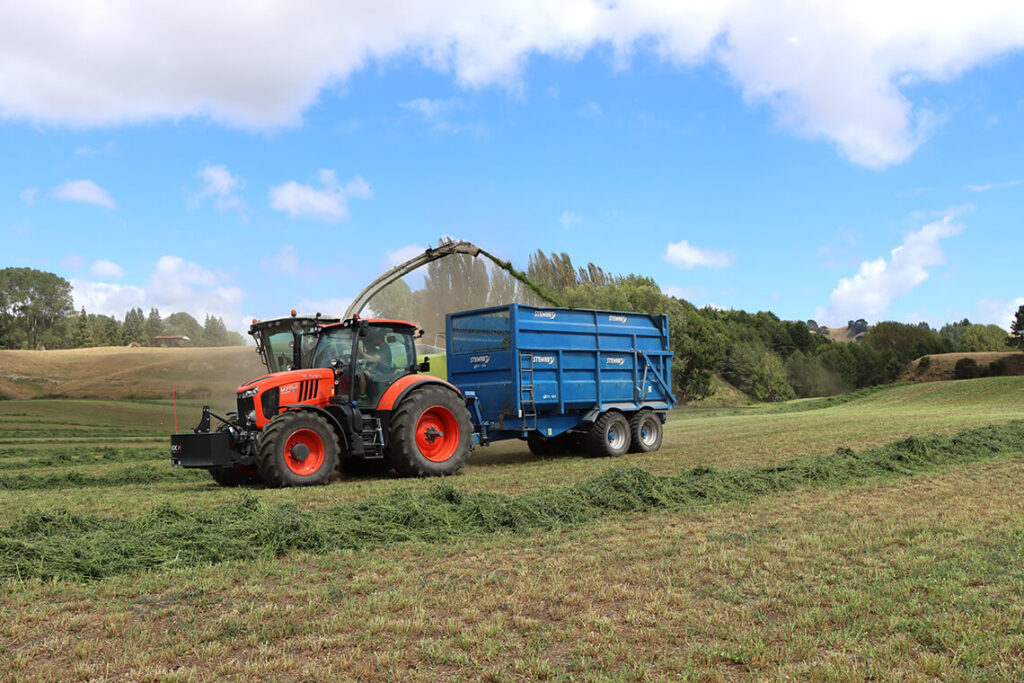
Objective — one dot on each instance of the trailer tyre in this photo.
(297, 448)
(609, 436)
(430, 433)
(646, 431)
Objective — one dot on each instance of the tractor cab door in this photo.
(384, 353)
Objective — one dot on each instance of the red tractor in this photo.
(362, 402)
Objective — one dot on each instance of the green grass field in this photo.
(810, 540)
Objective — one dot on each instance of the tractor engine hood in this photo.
(264, 397)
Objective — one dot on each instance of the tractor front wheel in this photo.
(430, 433)
(297, 448)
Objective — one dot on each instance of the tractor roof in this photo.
(371, 321)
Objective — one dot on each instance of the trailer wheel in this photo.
(609, 436)
(297, 448)
(430, 433)
(646, 431)
(240, 475)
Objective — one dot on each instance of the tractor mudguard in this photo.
(403, 385)
(344, 441)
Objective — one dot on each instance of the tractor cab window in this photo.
(385, 354)
(279, 350)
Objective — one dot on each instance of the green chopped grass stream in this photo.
(63, 545)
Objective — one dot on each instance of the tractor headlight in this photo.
(270, 401)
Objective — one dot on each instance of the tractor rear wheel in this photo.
(646, 432)
(609, 435)
(297, 448)
(430, 433)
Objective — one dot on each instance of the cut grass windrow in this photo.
(60, 544)
(20, 459)
(140, 474)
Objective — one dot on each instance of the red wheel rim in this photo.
(437, 434)
(315, 447)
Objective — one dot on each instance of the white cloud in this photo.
(84, 191)
(985, 187)
(869, 293)
(328, 307)
(590, 110)
(829, 70)
(286, 261)
(222, 186)
(402, 254)
(997, 311)
(682, 254)
(106, 269)
(174, 285)
(432, 109)
(28, 195)
(690, 294)
(328, 203)
(90, 151)
(569, 219)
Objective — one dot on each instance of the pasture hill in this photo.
(942, 366)
(118, 372)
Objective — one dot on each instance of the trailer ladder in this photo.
(527, 392)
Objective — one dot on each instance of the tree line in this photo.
(37, 312)
(767, 358)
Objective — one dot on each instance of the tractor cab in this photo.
(367, 355)
(287, 343)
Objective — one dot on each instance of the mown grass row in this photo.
(124, 477)
(60, 544)
(20, 459)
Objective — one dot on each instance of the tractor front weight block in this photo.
(202, 450)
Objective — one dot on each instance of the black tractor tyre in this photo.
(297, 448)
(547, 446)
(646, 432)
(234, 476)
(430, 433)
(609, 435)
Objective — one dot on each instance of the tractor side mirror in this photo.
(419, 333)
(425, 365)
(364, 327)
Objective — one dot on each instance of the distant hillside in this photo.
(940, 366)
(842, 334)
(116, 372)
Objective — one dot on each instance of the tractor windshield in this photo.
(333, 343)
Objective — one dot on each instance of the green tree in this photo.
(81, 334)
(770, 381)
(182, 324)
(954, 332)
(215, 333)
(34, 305)
(984, 338)
(1017, 329)
(134, 329)
(154, 326)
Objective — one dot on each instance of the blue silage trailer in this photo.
(564, 379)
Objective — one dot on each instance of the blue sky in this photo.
(813, 161)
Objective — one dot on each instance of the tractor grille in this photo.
(245, 406)
(307, 390)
